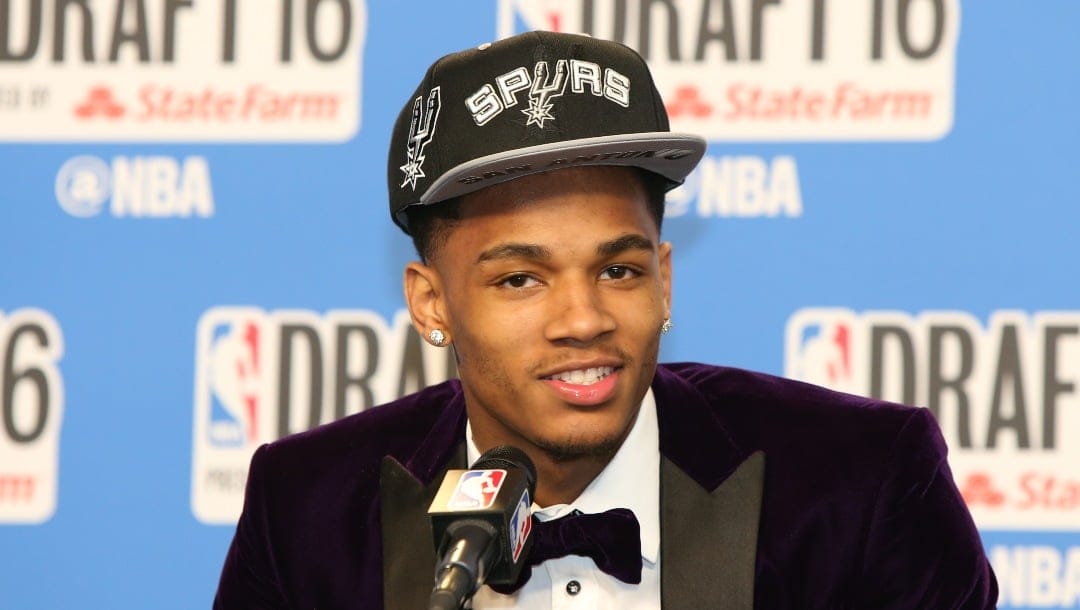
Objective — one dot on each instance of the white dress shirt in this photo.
(631, 480)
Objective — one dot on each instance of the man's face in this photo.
(553, 288)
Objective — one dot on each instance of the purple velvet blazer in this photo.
(774, 494)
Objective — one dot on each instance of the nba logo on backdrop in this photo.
(231, 409)
(235, 394)
(820, 349)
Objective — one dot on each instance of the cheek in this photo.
(487, 315)
(643, 308)
(494, 332)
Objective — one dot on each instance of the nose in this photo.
(579, 313)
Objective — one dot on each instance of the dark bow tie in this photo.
(612, 539)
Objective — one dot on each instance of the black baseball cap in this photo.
(535, 102)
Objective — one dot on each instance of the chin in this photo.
(572, 449)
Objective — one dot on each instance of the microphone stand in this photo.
(461, 571)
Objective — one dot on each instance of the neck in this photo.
(560, 480)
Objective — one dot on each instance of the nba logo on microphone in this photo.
(476, 489)
(520, 526)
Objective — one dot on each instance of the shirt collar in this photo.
(630, 480)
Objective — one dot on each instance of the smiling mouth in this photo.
(583, 376)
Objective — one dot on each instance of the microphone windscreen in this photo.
(508, 457)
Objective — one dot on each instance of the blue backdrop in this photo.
(197, 254)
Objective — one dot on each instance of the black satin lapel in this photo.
(408, 548)
(708, 541)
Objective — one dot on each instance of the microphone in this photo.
(481, 520)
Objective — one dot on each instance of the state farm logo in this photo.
(882, 70)
(687, 102)
(32, 409)
(176, 71)
(1007, 396)
(263, 375)
(979, 488)
(136, 187)
(99, 101)
(253, 104)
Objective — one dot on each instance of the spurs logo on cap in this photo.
(489, 101)
(580, 109)
(421, 131)
(542, 91)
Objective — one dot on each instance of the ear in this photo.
(424, 297)
(665, 275)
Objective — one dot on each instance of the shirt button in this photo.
(573, 587)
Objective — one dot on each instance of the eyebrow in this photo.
(615, 246)
(630, 241)
(505, 251)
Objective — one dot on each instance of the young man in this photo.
(530, 173)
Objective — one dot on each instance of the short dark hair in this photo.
(430, 225)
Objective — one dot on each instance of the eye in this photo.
(518, 281)
(618, 272)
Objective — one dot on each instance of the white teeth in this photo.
(584, 376)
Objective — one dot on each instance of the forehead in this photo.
(566, 207)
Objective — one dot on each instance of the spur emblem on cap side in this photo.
(421, 132)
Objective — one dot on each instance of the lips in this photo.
(584, 386)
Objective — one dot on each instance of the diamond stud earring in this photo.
(437, 337)
(666, 326)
